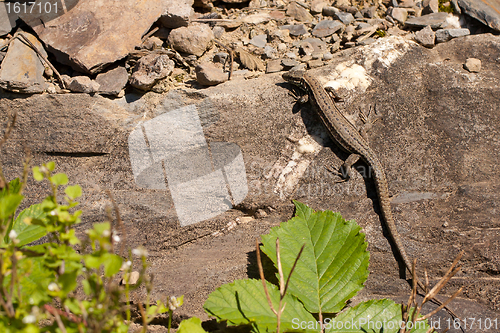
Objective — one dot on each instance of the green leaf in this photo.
(374, 316)
(37, 174)
(29, 233)
(191, 325)
(59, 179)
(333, 265)
(67, 281)
(9, 204)
(74, 191)
(34, 278)
(51, 165)
(92, 260)
(112, 264)
(244, 302)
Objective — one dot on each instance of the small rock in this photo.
(221, 57)
(426, 37)
(430, 6)
(259, 40)
(394, 3)
(274, 66)
(288, 63)
(473, 65)
(317, 44)
(407, 3)
(282, 47)
(399, 14)
(369, 12)
(444, 35)
(344, 17)
(48, 72)
(366, 41)
(317, 6)
(209, 75)
(256, 19)
(218, 31)
(191, 40)
(315, 63)
(291, 55)
(327, 56)
(176, 13)
(270, 52)
(260, 213)
(299, 67)
(295, 29)
(330, 11)
(299, 13)
(113, 81)
(279, 35)
(306, 48)
(131, 280)
(277, 15)
(327, 28)
(149, 69)
(152, 43)
(83, 84)
(435, 20)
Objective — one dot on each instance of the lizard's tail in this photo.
(385, 207)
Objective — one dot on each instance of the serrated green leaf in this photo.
(244, 302)
(191, 325)
(9, 204)
(73, 192)
(333, 265)
(374, 316)
(29, 233)
(59, 179)
(34, 278)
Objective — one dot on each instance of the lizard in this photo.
(349, 139)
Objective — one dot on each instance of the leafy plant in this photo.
(38, 282)
(331, 270)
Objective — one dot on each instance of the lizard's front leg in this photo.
(368, 120)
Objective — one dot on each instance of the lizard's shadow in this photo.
(311, 119)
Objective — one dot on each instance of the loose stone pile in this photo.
(157, 45)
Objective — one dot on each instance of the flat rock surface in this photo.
(22, 69)
(81, 38)
(437, 139)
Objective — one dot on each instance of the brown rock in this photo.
(177, 13)
(299, 13)
(95, 33)
(426, 37)
(473, 65)
(113, 81)
(83, 84)
(149, 69)
(430, 6)
(22, 70)
(191, 40)
(209, 75)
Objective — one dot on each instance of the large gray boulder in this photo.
(437, 141)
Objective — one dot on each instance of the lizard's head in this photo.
(294, 77)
